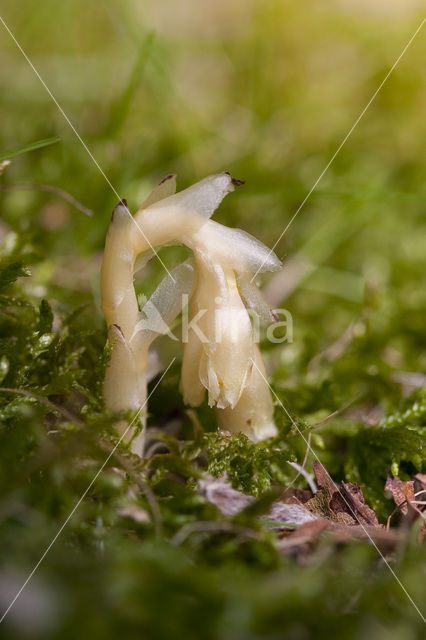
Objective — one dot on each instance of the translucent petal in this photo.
(235, 248)
(165, 304)
(202, 197)
(168, 296)
(179, 217)
(164, 189)
(254, 300)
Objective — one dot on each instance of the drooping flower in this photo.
(223, 357)
(130, 331)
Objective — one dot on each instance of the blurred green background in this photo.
(266, 90)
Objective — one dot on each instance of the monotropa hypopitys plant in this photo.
(220, 353)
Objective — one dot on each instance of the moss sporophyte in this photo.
(220, 353)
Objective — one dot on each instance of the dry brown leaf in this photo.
(339, 509)
(402, 492)
(322, 476)
(344, 505)
(354, 499)
(299, 543)
(294, 495)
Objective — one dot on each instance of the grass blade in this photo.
(46, 142)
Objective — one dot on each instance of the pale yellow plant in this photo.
(220, 354)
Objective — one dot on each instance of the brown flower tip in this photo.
(122, 203)
(169, 177)
(237, 183)
(234, 181)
